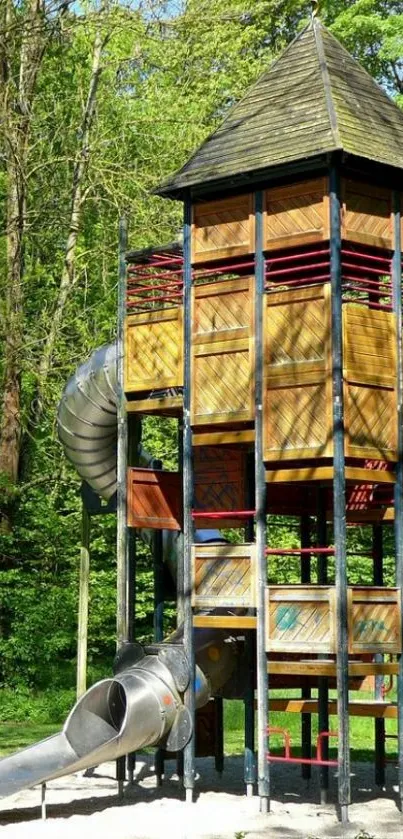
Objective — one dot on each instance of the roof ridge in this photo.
(317, 28)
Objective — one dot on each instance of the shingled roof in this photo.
(313, 100)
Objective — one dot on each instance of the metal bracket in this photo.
(180, 732)
(128, 655)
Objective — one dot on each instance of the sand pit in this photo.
(80, 806)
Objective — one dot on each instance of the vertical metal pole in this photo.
(122, 449)
(219, 734)
(83, 596)
(122, 571)
(133, 444)
(397, 306)
(43, 802)
(180, 587)
(188, 640)
(339, 488)
(323, 682)
(306, 724)
(249, 693)
(260, 496)
(379, 723)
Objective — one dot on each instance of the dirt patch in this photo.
(82, 806)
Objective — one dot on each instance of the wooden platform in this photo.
(380, 710)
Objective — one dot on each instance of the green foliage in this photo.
(167, 80)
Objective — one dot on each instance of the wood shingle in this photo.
(314, 100)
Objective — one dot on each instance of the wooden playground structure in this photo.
(274, 336)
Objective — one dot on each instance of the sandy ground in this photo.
(79, 806)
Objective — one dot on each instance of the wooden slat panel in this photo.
(369, 346)
(224, 576)
(296, 214)
(301, 619)
(374, 620)
(370, 421)
(222, 345)
(154, 499)
(153, 350)
(219, 482)
(223, 228)
(366, 214)
(297, 374)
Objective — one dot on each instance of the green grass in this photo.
(362, 740)
(27, 718)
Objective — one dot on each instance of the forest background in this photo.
(99, 101)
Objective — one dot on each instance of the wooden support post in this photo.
(397, 307)
(339, 493)
(379, 723)
(323, 682)
(260, 506)
(306, 719)
(188, 635)
(122, 564)
(83, 597)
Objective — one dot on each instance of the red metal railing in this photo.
(287, 756)
(155, 282)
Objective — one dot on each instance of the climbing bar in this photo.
(288, 758)
(232, 514)
(290, 551)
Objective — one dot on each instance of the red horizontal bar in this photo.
(365, 268)
(374, 283)
(286, 551)
(289, 258)
(223, 269)
(232, 514)
(160, 275)
(363, 289)
(313, 761)
(364, 255)
(298, 268)
(149, 289)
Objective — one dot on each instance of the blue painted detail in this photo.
(198, 684)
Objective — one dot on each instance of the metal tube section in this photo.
(397, 307)
(339, 503)
(260, 495)
(188, 639)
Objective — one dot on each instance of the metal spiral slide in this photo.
(141, 705)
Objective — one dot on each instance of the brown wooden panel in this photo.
(222, 345)
(296, 214)
(374, 620)
(153, 350)
(223, 575)
(366, 216)
(298, 374)
(301, 619)
(219, 482)
(223, 228)
(154, 499)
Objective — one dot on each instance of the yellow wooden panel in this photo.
(374, 620)
(296, 214)
(301, 619)
(370, 421)
(223, 228)
(153, 351)
(222, 348)
(223, 576)
(369, 345)
(296, 422)
(366, 216)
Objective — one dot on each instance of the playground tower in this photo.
(275, 337)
